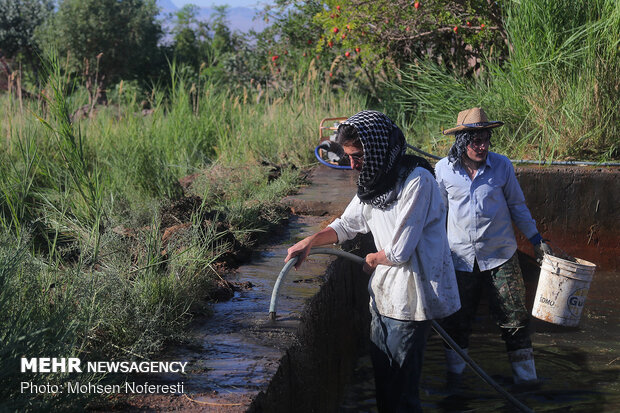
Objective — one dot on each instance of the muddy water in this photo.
(579, 366)
(233, 355)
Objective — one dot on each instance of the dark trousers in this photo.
(397, 351)
(505, 290)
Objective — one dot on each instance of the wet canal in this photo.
(234, 354)
(314, 357)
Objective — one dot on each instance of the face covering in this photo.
(385, 163)
(459, 148)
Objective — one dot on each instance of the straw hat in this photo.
(472, 119)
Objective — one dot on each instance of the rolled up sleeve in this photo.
(351, 222)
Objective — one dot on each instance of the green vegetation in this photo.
(558, 91)
(129, 173)
(104, 254)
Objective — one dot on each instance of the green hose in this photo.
(359, 260)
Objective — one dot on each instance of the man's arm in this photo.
(521, 215)
(515, 200)
(374, 259)
(302, 248)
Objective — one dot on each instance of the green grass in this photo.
(85, 268)
(558, 92)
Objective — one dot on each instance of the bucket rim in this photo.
(580, 261)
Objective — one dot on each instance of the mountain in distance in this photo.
(166, 6)
(240, 19)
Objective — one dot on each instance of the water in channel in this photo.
(233, 354)
(579, 366)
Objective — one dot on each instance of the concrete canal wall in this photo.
(334, 330)
(578, 209)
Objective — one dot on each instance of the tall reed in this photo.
(558, 92)
(84, 264)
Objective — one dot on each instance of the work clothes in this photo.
(480, 215)
(397, 350)
(421, 285)
(481, 211)
(399, 202)
(505, 290)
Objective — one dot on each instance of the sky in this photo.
(209, 3)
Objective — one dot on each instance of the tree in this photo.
(455, 33)
(18, 21)
(120, 37)
(289, 45)
(191, 37)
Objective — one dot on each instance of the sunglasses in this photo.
(477, 143)
(356, 158)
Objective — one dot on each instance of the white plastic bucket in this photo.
(562, 289)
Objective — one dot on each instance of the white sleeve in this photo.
(411, 218)
(351, 223)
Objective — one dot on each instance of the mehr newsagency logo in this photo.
(75, 365)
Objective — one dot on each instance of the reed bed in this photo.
(86, 269)
(558, 91)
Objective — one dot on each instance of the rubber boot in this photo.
(454, 366)
(523, 368)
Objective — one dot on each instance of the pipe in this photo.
(528, 161)
(569, 163)
(430, 155)
(515, 161)
(287, 268)
(442, 333)
(324, 162)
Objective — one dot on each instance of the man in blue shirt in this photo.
(483, 198)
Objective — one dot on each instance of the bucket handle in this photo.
(563, 254)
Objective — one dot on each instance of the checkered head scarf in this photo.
(385, 162)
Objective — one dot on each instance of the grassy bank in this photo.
(105, 253)
(558, 92)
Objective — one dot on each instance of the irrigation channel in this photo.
(314, 357)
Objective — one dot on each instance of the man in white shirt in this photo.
(413, 279)
(483, 198)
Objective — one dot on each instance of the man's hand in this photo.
(302, 248)
(541, 249)
(373, 260)
(299, 250)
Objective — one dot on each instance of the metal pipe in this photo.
(430, 155)
(442, 333)
(574, 163)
